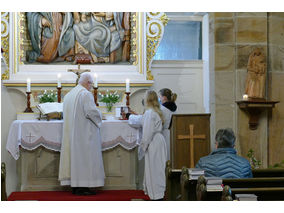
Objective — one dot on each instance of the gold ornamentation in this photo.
(5, 42)
(5, 75)
(134, 38)
(164, 19)
(22, 30)
(155, 31)
(154, 14)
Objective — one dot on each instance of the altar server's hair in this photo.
(152, 102)
(225, 138)
(169, 94)
(85, 77)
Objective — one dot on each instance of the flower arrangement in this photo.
(47, 96)
(109, 99)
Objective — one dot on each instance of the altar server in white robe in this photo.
(81, 163)
(152, 146)
(167, 100)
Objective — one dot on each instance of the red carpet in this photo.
(103, 195)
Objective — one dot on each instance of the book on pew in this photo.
(214, 184)
(246, 197)
(195, 173)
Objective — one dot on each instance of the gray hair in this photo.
(225, 138)
(85, 77)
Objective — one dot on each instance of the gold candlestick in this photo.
(28, 109)
(96, 95)
(59, 94)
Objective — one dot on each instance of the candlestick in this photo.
(58, 80)
(28, 109)
(28, 85)
(59, 94)
(96, 95)
(127, 99)
(245, 97)
(127, 85)
(95, 80)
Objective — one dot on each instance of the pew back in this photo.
(265, 188)
(3, 182)
(262, 193)
(268, 173)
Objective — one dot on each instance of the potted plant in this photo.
(109, 99)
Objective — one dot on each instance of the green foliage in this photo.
(47, 96)
(253, 161)
(110, 99)
(278, 165)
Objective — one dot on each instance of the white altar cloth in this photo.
(30, 134)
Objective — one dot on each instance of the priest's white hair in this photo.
(85, 77)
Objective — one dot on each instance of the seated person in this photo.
(224, 161)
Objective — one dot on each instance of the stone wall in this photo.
(276, 86)
(236, 35)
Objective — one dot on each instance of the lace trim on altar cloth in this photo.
(55, 146)
(119, 141)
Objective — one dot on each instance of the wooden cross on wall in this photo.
(191, 136)
(78, 72)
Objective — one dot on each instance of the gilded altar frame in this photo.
(146, 33)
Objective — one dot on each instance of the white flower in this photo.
(115, 92)
(107, 95)
(45, 91)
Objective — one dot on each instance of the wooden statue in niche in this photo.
(80, 38)
(255, 82)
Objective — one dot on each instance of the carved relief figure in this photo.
(101, 34)
(255, 82)
(52, 37)
(85, 37)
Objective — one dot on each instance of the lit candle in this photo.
(245, 97)
(28, 85)
(95, 80)
(59, 80)
(127, 85)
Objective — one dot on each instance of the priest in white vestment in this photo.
(152, 146)
(168, 107)
(81, 163)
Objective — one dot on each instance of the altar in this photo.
(126, 71)
(36, 147)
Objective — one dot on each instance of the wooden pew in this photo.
(3, 182)
(262, 193)
(203, 195)
(176, 180)
(188, 187)
(268, 172)
(264, 188)
(254, 182)
(173, 192)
